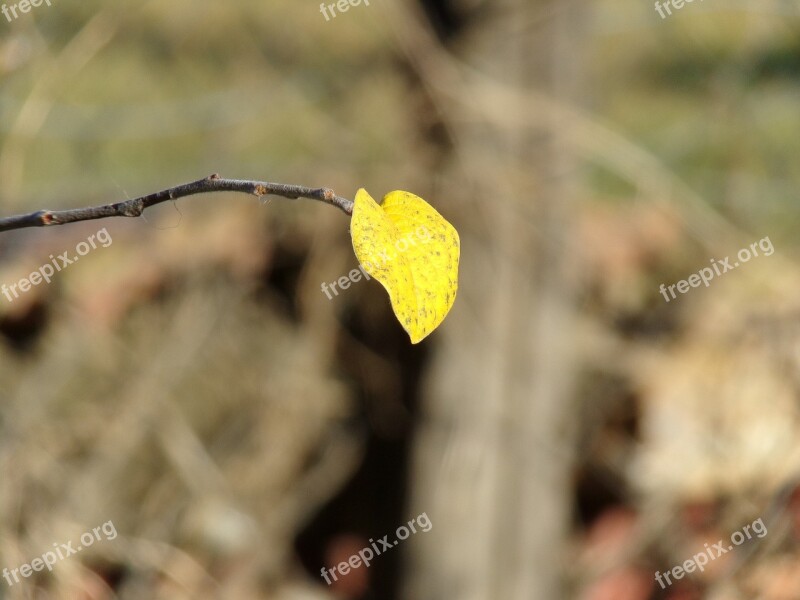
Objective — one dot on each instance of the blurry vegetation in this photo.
(192, 384)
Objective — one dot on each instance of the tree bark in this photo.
(494, 453)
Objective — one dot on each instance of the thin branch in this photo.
(136, 206)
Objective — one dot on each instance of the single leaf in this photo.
(413, 252)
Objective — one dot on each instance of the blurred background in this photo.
(567, 431)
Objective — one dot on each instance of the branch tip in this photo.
(136, 206)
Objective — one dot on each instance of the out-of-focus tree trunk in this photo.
(494, 453)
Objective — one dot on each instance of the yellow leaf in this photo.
(413, 252)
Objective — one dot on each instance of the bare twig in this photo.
(136, 206)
